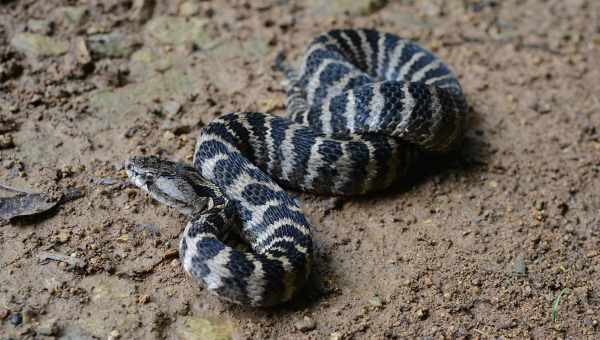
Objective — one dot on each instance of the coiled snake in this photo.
(362, 107)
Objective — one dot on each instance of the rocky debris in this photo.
(332, 204)
(6, 142)
(72, 15)
(192, 328)
(8, 125)
(143, 299)
(110, 45)
(376, 301)
(71, 194)
(178, 31)
(78, 62)
(353, 7)
(189, 8)
(136, 97)
(73, 262)
(149, 59)
(15, 318)
(142, 10)
(177, 128)
(47, 327)
(306, 324)
(75, 333)
(519, 267)
(81, 52)
(10, 69)
(39, 45)
(422, 313)
(171, 107)
(44, 27)
(335, 336)
(114, 335)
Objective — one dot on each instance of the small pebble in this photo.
(142, 10)
(6, 142)
(16, 319)
(306, 324)
(519, 267)
(36, 99)
(48, 327)
(376, 301)
(189, 8)
(171, 107)
(592, 253)
(63, 236)
(144, 299)
(422, 314)
(4, 313)
(114, 334)
(106, 181)
(335, 336)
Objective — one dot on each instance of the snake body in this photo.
(362, 107)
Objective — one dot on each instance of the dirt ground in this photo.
(480, 247)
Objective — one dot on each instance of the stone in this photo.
(422, 313)
(114, 335)
(39, 26)
(47, 327)
(142, 10)
(39, 45)
(306, 324)
(63, 236)
(192, 328)
(73, 15)
(335, 336)
(81, 51)
(189, 8)
(178, 31)
(376, 301)
(16, 319)
(74, 333)
(6, 142)
(112, 45)
(353, 7)
(171, 107)
(519, 267)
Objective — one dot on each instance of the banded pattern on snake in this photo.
(362, 107)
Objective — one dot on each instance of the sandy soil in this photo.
(481, 246)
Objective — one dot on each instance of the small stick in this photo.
(73, 261)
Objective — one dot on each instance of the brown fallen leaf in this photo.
(25, 204)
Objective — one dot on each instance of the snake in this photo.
(362, 108)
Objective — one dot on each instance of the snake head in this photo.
(177, 185)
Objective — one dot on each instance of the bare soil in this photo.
(480, 246)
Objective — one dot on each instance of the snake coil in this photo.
(362, 107)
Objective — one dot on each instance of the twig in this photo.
(72, 261)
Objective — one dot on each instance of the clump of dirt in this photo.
(502, 241)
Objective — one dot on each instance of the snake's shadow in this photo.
(468, 159)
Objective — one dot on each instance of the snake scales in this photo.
(362, 107)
